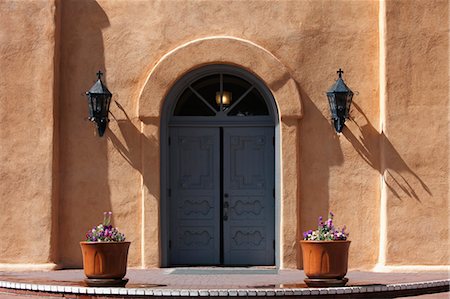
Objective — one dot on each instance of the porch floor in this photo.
(221, 282)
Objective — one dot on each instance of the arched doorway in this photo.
(219, 169)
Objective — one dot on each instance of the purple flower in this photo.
(105, 231)
(320, 221)
(329, 223)
(326, 231)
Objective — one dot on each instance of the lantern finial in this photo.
(99, 74)
(340, 72)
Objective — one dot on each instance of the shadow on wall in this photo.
(134, 146)
(129, 149)
(370, 144)
(319, 151)
(84, 188)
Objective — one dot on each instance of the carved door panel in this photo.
(194, 196)
(248, 196)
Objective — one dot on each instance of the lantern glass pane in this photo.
(349, 103)
(91, 106)
(104, 104)
(332, 102)
(96, 105)
(340, 104)
(341, 101)
(108, 102)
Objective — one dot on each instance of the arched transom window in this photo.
(221, 95)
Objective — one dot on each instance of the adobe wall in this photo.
(63, 169)
(128, 40)
(417, 132)
(28, 151)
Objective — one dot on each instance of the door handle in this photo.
(225, 210)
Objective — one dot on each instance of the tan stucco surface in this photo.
(59, 176)
(416, 143)
(27, 132)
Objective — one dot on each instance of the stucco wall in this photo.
(65, 168)
(339, 173)
(99, 174)
(128, 40)
(28, 153)
(416, 140)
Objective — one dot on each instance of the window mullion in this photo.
(240, 98)
(221, 92)
(203, 100)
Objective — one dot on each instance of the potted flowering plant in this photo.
(325, 254)
(105, 254)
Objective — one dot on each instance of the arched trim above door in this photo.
(160, 81)
(219, 50)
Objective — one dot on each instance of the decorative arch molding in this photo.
(162, 78)
(219, 50)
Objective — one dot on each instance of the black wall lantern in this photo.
(340, 99)
(99, 99)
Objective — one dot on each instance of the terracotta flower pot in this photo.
(105, 260)
(325, 259)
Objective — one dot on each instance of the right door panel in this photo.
(248, 199)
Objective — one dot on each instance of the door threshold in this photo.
(217, 270)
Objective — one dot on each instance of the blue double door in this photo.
(221, 196)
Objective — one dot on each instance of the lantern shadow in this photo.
(84, 188)
(134, 142)
(319, 151)
(371, 145)
(141, 152)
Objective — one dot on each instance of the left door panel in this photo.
(194, 195)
